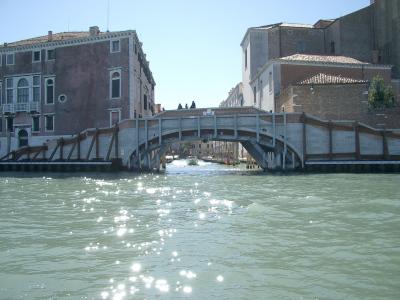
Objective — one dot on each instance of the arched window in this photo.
(49, 91)
(23, 91)
(22, 138)
(115, 85)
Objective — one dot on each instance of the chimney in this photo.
(50, 36)
(5, 44)
(94, 30)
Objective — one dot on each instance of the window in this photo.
(114, 117)
(22, 138)
(36, 56)
(23, 91)
(301, 47)
(115, 84)
(1, 59)
(49, 91)
(332, 47)
(51, 54)
(1, 124)
(270, 82)
(62, 98)
(10, 59)
(1, 93)
(115, 46)
(10, 124)
(245, 59)
(35, 124)
(145, 102)
(9, 90)
(49, 122)
(254, 94)
(36, 88)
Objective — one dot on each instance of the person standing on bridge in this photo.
(193, 105)
(180, 106)
(186, 106)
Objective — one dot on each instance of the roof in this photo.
(296, 25)
(323, 59)
(69, 38)
(323, 78)
(281, 24)
(62, 36)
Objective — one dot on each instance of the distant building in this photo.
(233, 150)
(63, 83)
(368, 35)
(235, 97)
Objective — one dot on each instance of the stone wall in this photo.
(337, 102)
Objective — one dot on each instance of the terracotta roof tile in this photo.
(322, 78)
(322, 59)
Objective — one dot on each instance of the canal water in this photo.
(200, 232)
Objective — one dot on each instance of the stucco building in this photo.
(272, 54)
(62, 83)
(235, 97)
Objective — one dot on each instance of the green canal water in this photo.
(205, 232)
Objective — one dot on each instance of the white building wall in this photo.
(265, 89)
(247, 91)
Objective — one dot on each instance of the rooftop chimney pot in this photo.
(50, 36)
(94, 30)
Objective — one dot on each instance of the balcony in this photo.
(8, 109)
(29, 107)
(21, 107)
(34, 107)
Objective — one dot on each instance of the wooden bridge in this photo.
(277, 141)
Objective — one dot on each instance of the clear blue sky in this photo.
(193, 46)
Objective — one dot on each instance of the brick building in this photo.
(63, 83)
(276, 75)
(336, 97)
(369, 35)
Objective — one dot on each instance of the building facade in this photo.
(60, 84)
(235, 97)
(368, 35)
(331, 97)
(275, 76)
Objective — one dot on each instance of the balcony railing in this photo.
(29, 107)
(34, 107)
(21, 107)
(8, 109)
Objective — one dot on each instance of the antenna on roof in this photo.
(108, 15)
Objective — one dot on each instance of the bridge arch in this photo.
(266, 149)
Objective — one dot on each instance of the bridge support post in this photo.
(304, 121)
(284, 141)
(235, 126)
(274, 129)
(385, 147)
(198, 127)
(180, 129)
(215, 126)
(357, 140)
(159, 131)
(258, 127)
(146, 130)
(330, 140)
